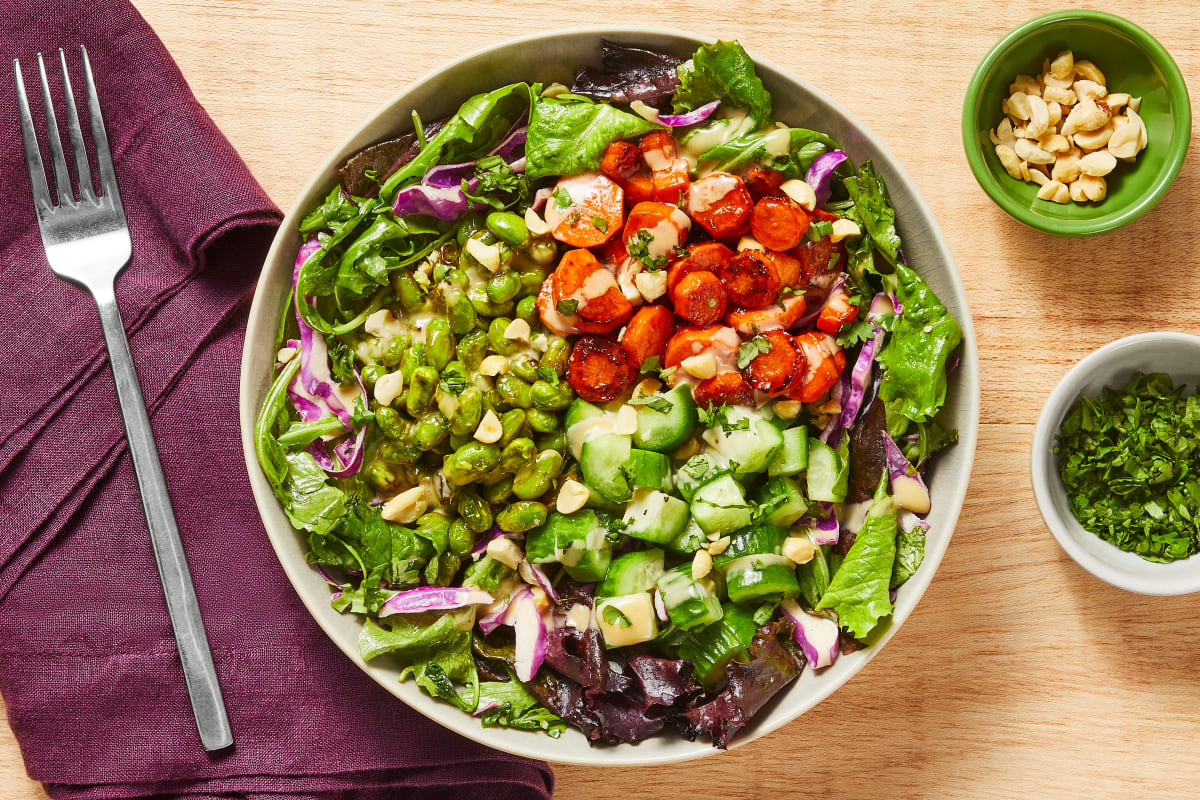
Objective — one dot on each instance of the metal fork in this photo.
(87, 243)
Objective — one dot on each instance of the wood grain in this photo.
(1018, 675)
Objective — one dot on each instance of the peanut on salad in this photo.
(1064, 131)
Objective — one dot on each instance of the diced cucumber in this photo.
(688, 542)
(826, 478)
(584, 421)
(743, 449)
(720, 506)
(792, 458)
(638, 571)
(784, 499)
(591, 566)
(578, 541)
(649, 469)
(692, 474)
(714, 646)
(752, 540)
(655, 516)
(663, 431)
(601, 461)
(760, 578)
(578, 411)
(690, 603)
(627, 619)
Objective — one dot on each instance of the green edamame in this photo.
(470, 224)
(381, 475)
(389, 422)
(558, 352)
(517, 454)
(496, 493)
(531, 279)
(483, 304)
(459, 311)
(395, 350)
(551, 397)
(527, 309)
(371, 373)
(477, 457)
(514, 391)
(460, 538)
(496, 339)
(524, 367)
(472, 348)
(457, 440)
(420, 390)
(407, 291)
(431, 430)
(402, 451)
(508, 227)
(511, 423)
(447, 569)
(469, 412)
(439, 343)
(456, 278)
(475, 511)
(413, 358)
(544, 251)
(541, 421)
(556, 440)
(503, 287)
(536, 479)
(522, 516)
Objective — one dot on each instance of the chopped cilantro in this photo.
(653, 401)
(638, 246)
(750, 350)
(696, 467)
(562, 199)
(567, 307)
(613, 616)
(600, 224)
(548, 375)
(649, 365)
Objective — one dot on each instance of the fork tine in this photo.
(33, 154)
(104, 163)
(83, 172)
(62, 178)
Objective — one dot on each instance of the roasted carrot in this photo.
(787, 265)
(591, 291)
(598, 369)
(621, 161)
(779, 223)
(721, 205)
(823, 365)
(703, 256)
(728, 388)
(670, 185)
(774, 316)
(574, 269)
(595, 218)
(689, 341)
(647, 333)
(762, 181)
(838, 311)
(638, 189)
(699, 298)
(750, 279)
(773, 371)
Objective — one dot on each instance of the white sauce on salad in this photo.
(778, 142)
(718, 133)
(706, 193)
(577, 187)
(666, 235)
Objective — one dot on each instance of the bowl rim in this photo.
(622, 755)
(1176, 88)
(1065, 394)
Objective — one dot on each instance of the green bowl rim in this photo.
(1181, 118)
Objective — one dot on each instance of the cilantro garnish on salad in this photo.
(609, 406)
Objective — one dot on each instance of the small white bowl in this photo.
(1177, 354)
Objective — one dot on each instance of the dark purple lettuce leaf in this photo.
(571, 592)
(664, 681)
(564, 697)
(628, 74)
(382, 159)
(624, 717)
(773, 665)
(580, 656)
(868, 458)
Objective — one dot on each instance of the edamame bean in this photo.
(544, 251)
(455, 472)
(496, 340)
(524, 367)
(381, 475)
(541, 421)
(456, 278)
(556, 356)
(395, 350)
(517, 454)
(478, 457)
(496, 493)
(371, 373)
(439, 343)
(527, 309)
(511, 423)
(531, 279)
(535, 480)
(455, 376)
(390, 423)
(470, 224)
(402, 452)
(522, 516)
(457, 440)
(460, 538)
(472, 349)
(431, 430)
(407, 291)
(420, 390)
(448, 252)
(557, 440)
(475, 511)
(483, 304)
(469, 412)
(414, 357)
(459, 311)
(508, 227)
(447, 569)
(514, 391)
(503, 287)
(551, 397)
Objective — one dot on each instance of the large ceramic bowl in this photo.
(555, 56)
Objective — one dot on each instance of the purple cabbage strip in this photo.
(482, 544)
(900, 470)
(495, 618)
(824, 531)
(433, 598)
(859, 378)
(810, 317)
(543, 581)
(651, 114)
(816, 635)
(831, 434)
(820, 173)
(540, 197)
(882, 306)
(530, 630)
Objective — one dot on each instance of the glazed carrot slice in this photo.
(762, 181)
(699, 298)
(773, 371)
(621, 161)
(710, 256)
(690, 341)
(750, 279)
(721, 204)
(823, 365)
(787, 265)
(598, 369)
(647, 333)
(574, 269)
(595, 217)
(771, 317)
(779, 223)
(658, 149)
(562, 324)
(838, 311)
(728, 388)
(638, 189)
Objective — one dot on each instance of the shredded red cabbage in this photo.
(820, 173)
(859, 378)
(433, 598)
(816, 635)
(651, 114)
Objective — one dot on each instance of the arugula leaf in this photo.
(309, 500)
(915, 356)
(873, 209)
(652, 401)
(341, 361)
(910, 552)
(567, 137)
(435, 649)
(337, 208)
(509, 704)
(723, 71)
(398, 551)
(750, 349)
(1130, 462)
(858, 591)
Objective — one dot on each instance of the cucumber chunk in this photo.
(601, 462)
(827, 476)
(760, 578)
(663, 431)
(655, 516)
(688, 542)
(792, 458)
(714, 646)
(784, 499)
(720, 506)
(752, 540)
(649, 469)
(747, 446)
(577, 541)
(634, 572)
(692, 474)
(690, 603)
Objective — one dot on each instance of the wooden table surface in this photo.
(1019, 675)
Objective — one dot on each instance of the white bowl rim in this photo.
(635, 754)
(1042, 462)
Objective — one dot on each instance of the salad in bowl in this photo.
(609, 405)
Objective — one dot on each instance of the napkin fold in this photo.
(88, 666)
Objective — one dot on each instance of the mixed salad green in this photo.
(610, 405)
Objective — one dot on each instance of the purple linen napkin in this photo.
(88, 666)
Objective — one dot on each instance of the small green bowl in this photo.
(1132, 61)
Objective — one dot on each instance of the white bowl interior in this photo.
(1177, 354)
(555, 56)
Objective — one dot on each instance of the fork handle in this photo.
(198, 670)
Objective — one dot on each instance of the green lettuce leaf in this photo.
(433, 649)
(567, 137)
(804, 146)
(723, 71)
(858, 591)
(814, 577)
(399, 553)
(873, 210)
(487, 574)
(910, 552)
(515, 707)
(311, 502)
(915, 356)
